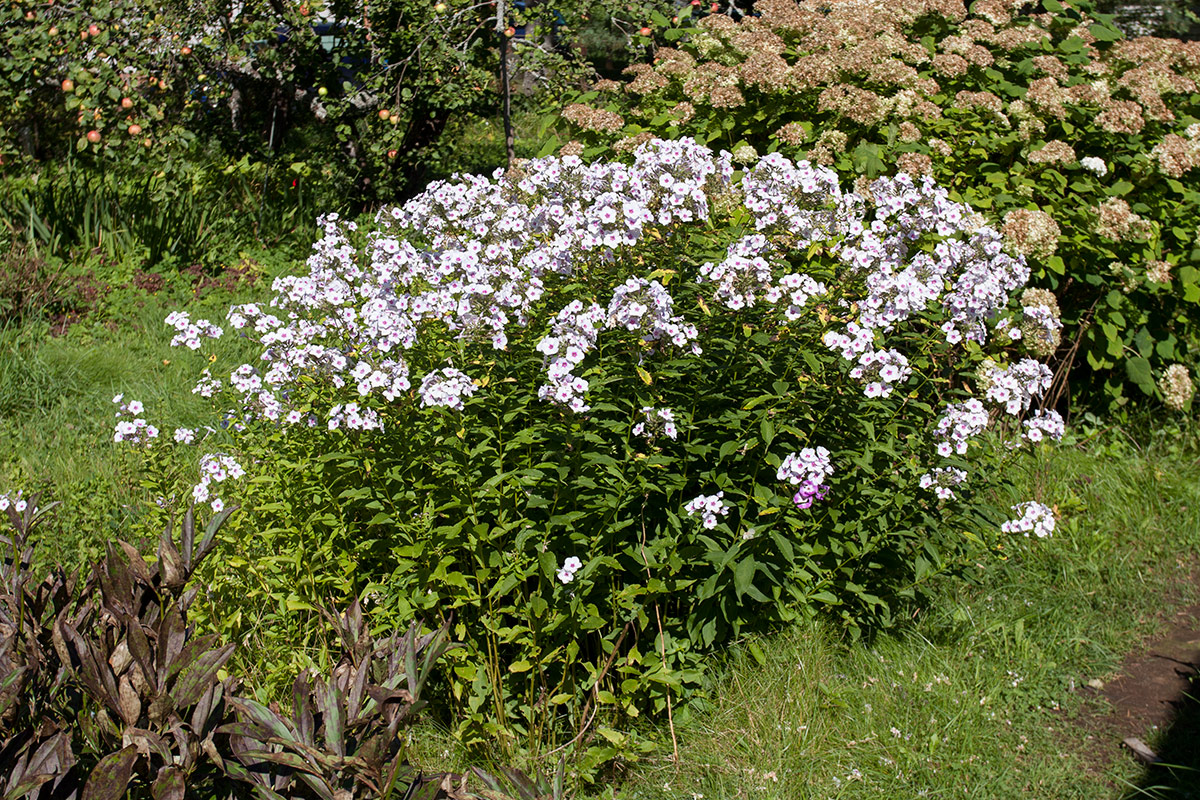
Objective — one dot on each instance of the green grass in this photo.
(57, 416)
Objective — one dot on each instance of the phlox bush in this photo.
(1081, 146)
(606, 417)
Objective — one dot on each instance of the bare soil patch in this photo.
(1156, 699)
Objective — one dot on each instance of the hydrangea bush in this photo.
(605, 417)
(1081, 146)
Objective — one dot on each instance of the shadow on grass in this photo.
(1177, 776)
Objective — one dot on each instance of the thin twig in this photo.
(1059, 385)
(595, 692)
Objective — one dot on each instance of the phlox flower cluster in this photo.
(881, 370)
(14, 501)
(802, 201)
(1043, 424)
(852, 343)
(942, 481)
(207, 385)
(1016, 386)
(389, 376)
(646, 307)
(188, 333)
(903, 279)
(986, 279)
(807, 470)
(958, 424)
(135, 430)
(445, 387)
(573, 333)
(746, 275)
(357, 418)
(255, 398)
(656, 421)
(570, 566)
(708, 507)
(1034, 518)
(215, 468)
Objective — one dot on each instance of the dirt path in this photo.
(1155, 699)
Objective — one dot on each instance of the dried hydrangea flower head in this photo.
(1031, 232)
(1116, 221)
(1053, 152)
(1041, 322)
(1177, 387)
(593, 119)
(1177, 154)
(1158, 271)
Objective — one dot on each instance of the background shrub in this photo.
(1015, 109)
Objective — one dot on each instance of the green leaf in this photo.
(866, 159)
(767, 429)
(756, 651)
(1140, 373)
(743, 575)
(1104, 33)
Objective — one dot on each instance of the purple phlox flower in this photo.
(1034, 518)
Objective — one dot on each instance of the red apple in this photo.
(68, 85)
(53, 31)
(30, 16)
(126, 103)
(93, 30)
(645, 31)
(384, 113)
(93, 136)
(135, 129)
(714, 8)
(83, 35)
(393, 153)
(187, 51)
(510, 31)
